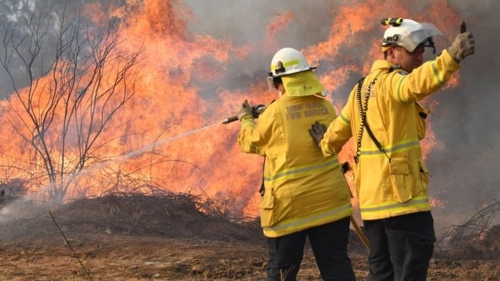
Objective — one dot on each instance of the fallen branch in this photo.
(69, 245)
(475, 226)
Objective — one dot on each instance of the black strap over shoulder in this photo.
(364, 125)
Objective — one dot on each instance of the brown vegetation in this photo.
(171, 237)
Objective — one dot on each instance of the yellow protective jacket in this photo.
(303, 189)
(387, 188)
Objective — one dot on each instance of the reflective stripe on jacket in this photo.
(303, 189)
(399, 186)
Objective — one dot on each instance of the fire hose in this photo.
(256, 110)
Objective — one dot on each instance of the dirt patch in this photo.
(170, 237)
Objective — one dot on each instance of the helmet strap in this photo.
(277, 81)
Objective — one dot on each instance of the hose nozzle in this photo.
(256, 110)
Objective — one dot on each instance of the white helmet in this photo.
(288, 61)
(409, 34)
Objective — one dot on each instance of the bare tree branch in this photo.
(70, 100)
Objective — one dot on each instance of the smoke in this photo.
(14, 14)
(463, 162)
(247, 23)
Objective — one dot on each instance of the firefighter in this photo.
(391, 176)
(304, 195)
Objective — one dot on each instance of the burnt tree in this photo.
(76, 77)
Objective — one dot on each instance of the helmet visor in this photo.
(418, 36)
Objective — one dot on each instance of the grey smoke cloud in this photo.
(464, 162)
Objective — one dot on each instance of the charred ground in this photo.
(174, 237)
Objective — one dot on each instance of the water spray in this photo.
(131, 154)
(138, 152)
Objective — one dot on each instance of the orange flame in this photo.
(278, 23)
(171, 99)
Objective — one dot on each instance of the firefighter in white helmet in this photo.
(391, 176)
(304, 195)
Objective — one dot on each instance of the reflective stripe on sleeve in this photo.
(346, 121)
(438, 75)
(400, 84)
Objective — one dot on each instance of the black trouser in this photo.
(401, 247)
(329, 245)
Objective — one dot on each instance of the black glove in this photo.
(463, 45)
(317, 132)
